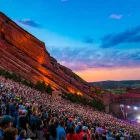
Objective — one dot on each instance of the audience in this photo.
(27, 113)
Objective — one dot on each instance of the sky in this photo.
(98, 39)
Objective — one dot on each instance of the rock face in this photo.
(22, 53)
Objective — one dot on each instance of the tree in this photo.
(97, 104)
(14, 76)
(38, 85)
(27, 83)
(31, 84)
(18, 78)
(2, 72)
(41, 86)
(8, 75)
(49, 89)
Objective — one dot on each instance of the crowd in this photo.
(29, 114)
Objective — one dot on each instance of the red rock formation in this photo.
(22, 53)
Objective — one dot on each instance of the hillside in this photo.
(118, 84)
(22, 53)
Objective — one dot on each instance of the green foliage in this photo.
(41, 86)
(97, 104)
(99, 92)
(2, 72)
(49, 89)
(118, 91)
(31, 85)
(27, 83)
(15, 77)
(118, 84)
(8, 75)
(79, 99)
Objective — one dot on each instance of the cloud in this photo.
(128, 36)
(88, 40)
(29, 22)
(115, 16)
(79, 59)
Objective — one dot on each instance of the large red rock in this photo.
(22, 53)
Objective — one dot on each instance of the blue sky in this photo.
(98, 39)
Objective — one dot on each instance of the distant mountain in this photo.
(118, 84)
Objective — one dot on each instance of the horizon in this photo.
(75, 37)
(113, 81)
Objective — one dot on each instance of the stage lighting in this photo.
(138, 117)
(128, 106)
(121, 105)
(135, 108)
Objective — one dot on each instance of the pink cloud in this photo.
(116, 16)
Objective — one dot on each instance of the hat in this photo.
(6, 119)
(84, 128)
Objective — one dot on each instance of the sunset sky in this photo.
(97, 39)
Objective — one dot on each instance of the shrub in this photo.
(15, 77)
(8, 75)
(41, 86)
(2, 72)
(79, 99)
(49, 89)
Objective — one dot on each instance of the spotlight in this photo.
(135, 108)
(138, 117)
(128, 106)
(121, 105)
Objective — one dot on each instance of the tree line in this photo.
(80, 99)
(40, 85)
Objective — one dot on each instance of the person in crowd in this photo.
(10, 134)
(99, 129)
(84, 131)
(3, 108)
(77, 127)
(24, 122)
(52, 129)
(39, 126)
(84, 137)
(22, 135)
(71, 135)
(5, 122)
(61, 133)
(69, 123)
